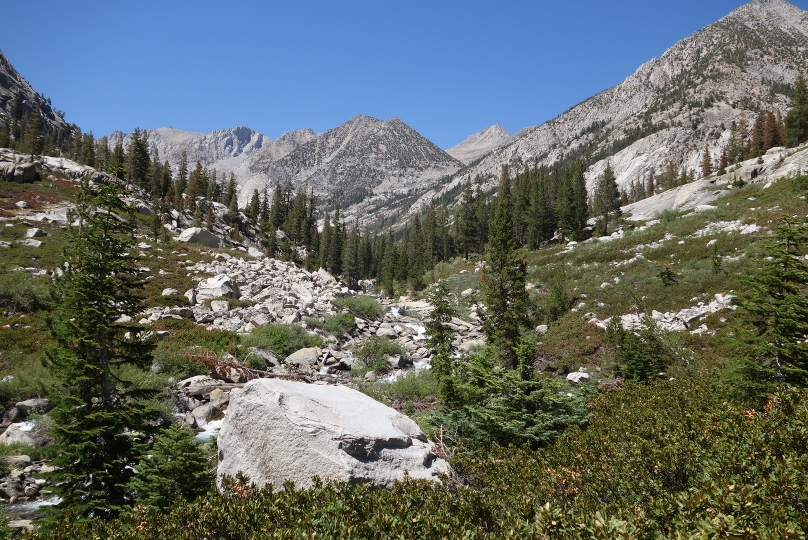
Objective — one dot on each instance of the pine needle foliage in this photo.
(99, 411)
(774, 313)
(176, 466)
(503, 281)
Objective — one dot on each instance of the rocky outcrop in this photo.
(276, 431)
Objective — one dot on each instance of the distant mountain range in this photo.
(666, 112)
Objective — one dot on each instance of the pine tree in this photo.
(98, 408)
(441, 337)
(335, 244)
(254, 207)
(723, 162)
(137, 156)
(607, 197)
(174, 467)
(796, 121)
(182, 176)
(467, 221)
(706, 163)
(503, 280)
(774, 309)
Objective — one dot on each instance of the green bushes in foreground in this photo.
(669, 459)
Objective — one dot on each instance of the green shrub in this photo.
(186, 339)
(19, 291)
(281, 339)
(340, 324)
(361, 306)
(170, 300)
(374, 351)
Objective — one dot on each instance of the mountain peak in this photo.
(478, 144)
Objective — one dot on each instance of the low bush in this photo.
(170, 300)
(340, 324)
(281, 339)
(374, 352)
(670, 459)
(361, 306)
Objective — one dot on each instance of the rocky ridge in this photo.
(11, 83)
(672, 106)
(361, 164)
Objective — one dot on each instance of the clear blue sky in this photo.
(446, 68)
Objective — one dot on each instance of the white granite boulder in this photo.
(221, 286)
(198, 235)
(277, 430)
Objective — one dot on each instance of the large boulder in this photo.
(198, 235)
(304, 357)
(277, 430)
(23, 434)
(221, 286)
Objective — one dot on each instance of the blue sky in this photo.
(446, 68)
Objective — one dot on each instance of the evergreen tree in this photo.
(467, 221)
(196, 186)
(503, 281)
(441, 337)
(98, 407)
(254, 207)
(5, 134)
(335, 244)
(182, 176)
(774, 310)
(706, 163)
(607, 197)
(137, 156)
(34, 138)
(796, 121)
(174, 467)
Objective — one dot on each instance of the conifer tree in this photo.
(467, 221)
(503, 280)
(774, 309)
(98, 408)
(706, 163)
(182, 175)
(607, 197)
(174, 467)
(441, 337)
(796, 121)
(335, 244)
(254, 206)
(138, 162)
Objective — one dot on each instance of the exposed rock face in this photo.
(365, 160)
(278, 430)
(479, 144)
(768, 40)
(11, 83)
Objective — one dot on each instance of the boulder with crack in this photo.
(277, 430)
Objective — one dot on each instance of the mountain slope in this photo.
(363, 160)
(479, 144)
(673, 106)
(11, 84)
